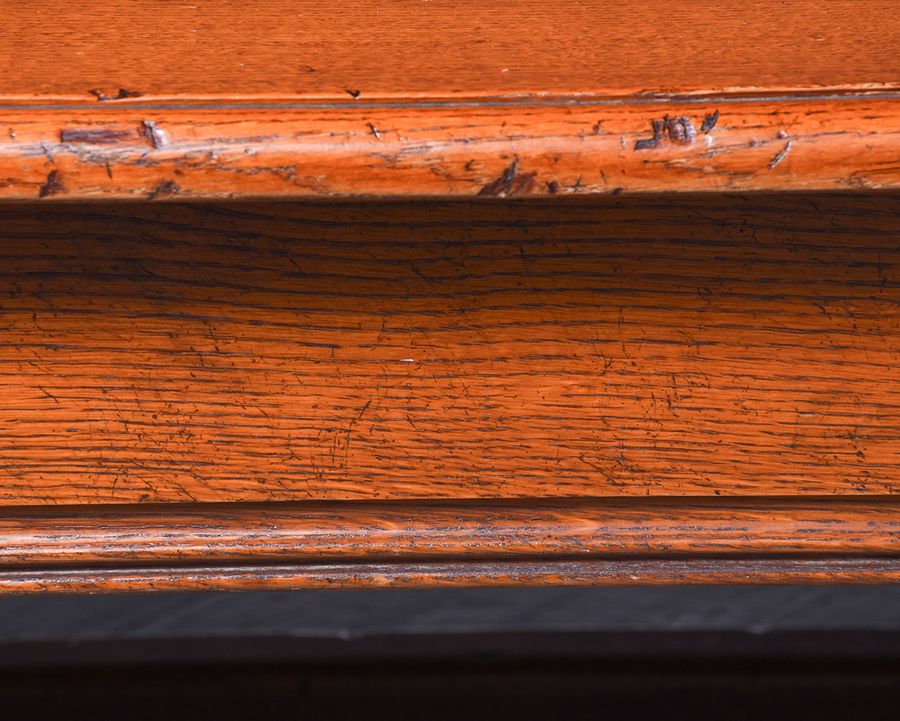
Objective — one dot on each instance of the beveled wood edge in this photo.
(459, 98)
(427, 542)
(448, 149)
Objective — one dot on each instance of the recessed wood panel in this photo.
(710, 345)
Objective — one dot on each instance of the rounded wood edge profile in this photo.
(480, 149)
(324, 543)
(458, 573)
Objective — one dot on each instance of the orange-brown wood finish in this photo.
(483, 149)
(289, 49)
(732, 357)
(417, 574)
(449, 530)
(302, 99)
(522, 327)
(427, 543)
(617, 347)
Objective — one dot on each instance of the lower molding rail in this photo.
(434, 543)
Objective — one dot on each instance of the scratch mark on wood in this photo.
(46, 151)
(156, 136)
(52, 185)
(709, 122)
(780, 155)
(374, 131)
(169, 187)
(353, 93)
(649, 143)
(94, 136)
(121, 95)
(679, 130)
(509, 183)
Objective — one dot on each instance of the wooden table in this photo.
(297, 295)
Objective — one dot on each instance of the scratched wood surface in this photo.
(514, 149)
(447, 530)
(286, 49)
(665, 345)
(255, 394)
(430, 574)
(141, 99)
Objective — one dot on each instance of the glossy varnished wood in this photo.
(708, 346)
(522, 148)
(152, 100)
(140, 49)
(462, 531)
(838, 569)
(526, 385)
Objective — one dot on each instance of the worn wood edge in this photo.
(461, 98)
(458, 573)
(446, 150)
(457, 531)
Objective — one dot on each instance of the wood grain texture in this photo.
(711, 345)
(54, 49)
(501, 149)
(409, 98)
(448, 392)
(372, 532)
(437, 574)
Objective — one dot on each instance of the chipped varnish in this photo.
(616, 303)
(522, 149)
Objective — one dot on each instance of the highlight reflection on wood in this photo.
(299, 98)
(424, 293)
(507, 148)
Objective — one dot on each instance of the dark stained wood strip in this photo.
(437, 574)
(437, 149)
(545, 529)
(728, 345)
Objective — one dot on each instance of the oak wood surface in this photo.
(715, 345)
(290, 49)
(441, 392)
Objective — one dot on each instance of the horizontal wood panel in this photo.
(733, 345)
(495, 149)
(371, 532)
(142, 49)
